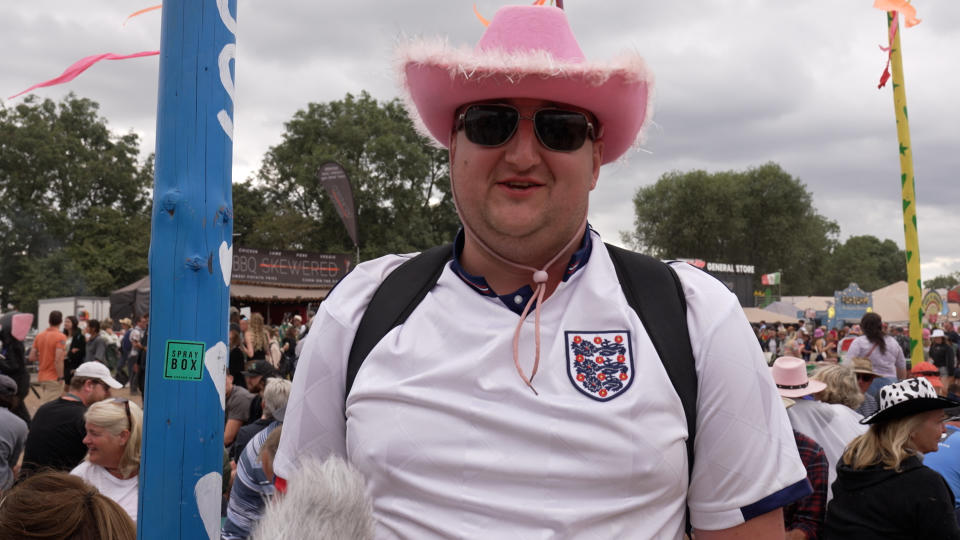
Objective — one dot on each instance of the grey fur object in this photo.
(324, 500)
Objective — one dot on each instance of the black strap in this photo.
(394, 300)
(654, 291)
(651, 288)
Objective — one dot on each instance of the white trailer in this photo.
(96, 307)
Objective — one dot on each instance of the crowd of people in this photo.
(868, 425)
(81, 429)
(525, 381)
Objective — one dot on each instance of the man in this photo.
(255, 375)
(48, 351)
(461, 433)
(831, 425)
(138, 354)
(96, 343)
(803, 519)
(13, 433)
(902, 340)
(276, 393)
(943, 356)
(57, 430)
(863, 369)
(237, 411)
(251, 487)
(952, 336)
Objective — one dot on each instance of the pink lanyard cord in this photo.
(540, 278)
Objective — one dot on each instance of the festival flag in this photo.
(770, 279)
(332, 177)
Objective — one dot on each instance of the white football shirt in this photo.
(453, 443)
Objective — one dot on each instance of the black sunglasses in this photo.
(493, 124)
(126, 407)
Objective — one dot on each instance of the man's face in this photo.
(95, 390)
(244, 324)
(254, 383)
(520, 198)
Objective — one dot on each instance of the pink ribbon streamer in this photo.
(894, 27)
(80, 66)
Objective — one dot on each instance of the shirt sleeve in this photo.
(746, 461)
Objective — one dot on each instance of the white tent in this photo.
(755, 315)
(891, 302)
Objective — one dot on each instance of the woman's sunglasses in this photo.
(493, 124)
(126, 407)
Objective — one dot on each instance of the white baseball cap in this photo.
(96, 370)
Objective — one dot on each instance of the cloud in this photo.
(737, 84)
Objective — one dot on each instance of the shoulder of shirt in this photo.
(700, 288)
(349, 298)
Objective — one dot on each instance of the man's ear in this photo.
(597, 161)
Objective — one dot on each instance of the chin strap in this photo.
(540, 278)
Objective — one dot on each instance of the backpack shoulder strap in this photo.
(654, 291)
(399, 294)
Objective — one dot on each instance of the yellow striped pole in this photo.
(911, 237)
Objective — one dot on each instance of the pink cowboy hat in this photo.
(526, 52)
(790, 376)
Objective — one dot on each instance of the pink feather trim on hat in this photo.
(526, 52)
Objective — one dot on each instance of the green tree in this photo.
(947, 281)
(761, 216)
(866, 261)
(401, 183)
(75, 199)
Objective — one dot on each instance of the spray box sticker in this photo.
(183, 360)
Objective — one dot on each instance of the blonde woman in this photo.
(841, 386)
(256, 339)
(883, 490)
(113, 451)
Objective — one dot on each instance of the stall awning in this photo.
(264, 293)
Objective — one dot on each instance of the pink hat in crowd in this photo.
(790, 375)
(526, 52)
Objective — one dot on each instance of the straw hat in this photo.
(906, 398)
(790, 375)
(864, 366)
(526, 52)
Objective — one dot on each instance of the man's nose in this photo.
(523, 149)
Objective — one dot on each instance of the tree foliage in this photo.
(401, 184)
(866, 261)
(75, 199)
(762, 216)
(946, 281)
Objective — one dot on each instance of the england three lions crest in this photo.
(600, 364)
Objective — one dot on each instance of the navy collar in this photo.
(518, 299)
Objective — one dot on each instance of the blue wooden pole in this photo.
(190, 260)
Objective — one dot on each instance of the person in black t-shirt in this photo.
(56, 433)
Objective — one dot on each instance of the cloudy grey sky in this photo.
(738, 83)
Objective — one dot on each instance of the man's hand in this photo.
(796, 534)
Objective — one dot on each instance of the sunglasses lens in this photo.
(562, 131)
(490, 125)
